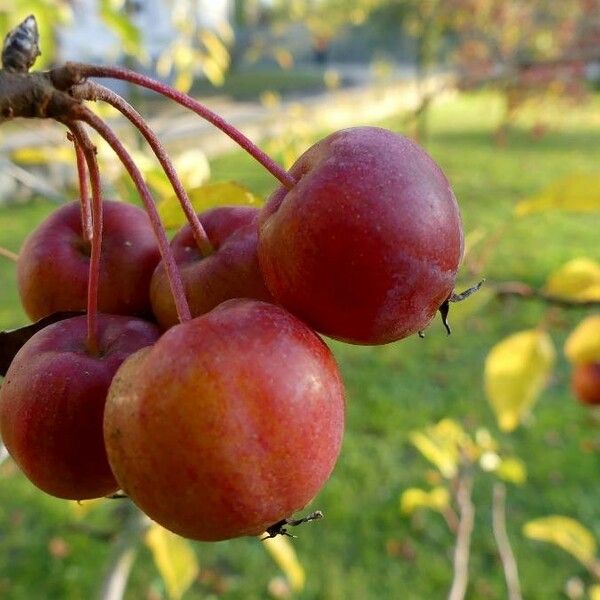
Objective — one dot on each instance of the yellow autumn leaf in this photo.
(441, 445)
(284, 555)
(578, 280)
(174, 558)
(512, 470)
(35, 155)
(576, 193)
(583, 344)
(564, 532)
(203, 197)
(81, 508)
(437, 499)
(594, 592)
(516, 371)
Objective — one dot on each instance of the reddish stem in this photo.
(84, 197)
(93, 91)
(175, 282)
(200, 109)
(83, 142)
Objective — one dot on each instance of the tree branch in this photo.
(509, 564)
(462, 549)
(527, 292)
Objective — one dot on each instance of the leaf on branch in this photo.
(516, 372)
(284, 555)
(112, 13)
(412, 499)
(226, 193)
(442, 444)
(577, 280)
(174, 558)
(564, 532)
(13, 340)
(512, 470)
(575, 193)
(583, 344)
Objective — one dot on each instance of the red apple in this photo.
(366, 246)
(52, 403)
(229, 423)
(230, 272)
(585, 382)
(53, 265)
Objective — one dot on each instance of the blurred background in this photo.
(469, 468)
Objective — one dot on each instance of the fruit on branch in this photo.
(231, 271)
(365, 247)
(52, 403)
(585, 382)
(53, 265)
(229, 423)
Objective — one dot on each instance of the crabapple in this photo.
(231, 422)
(53, 265)
(52, 403)
(366, 245)
(585, 382)
(231, 271)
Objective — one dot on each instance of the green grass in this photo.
(391, 390)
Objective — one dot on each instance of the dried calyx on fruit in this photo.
(238, 413)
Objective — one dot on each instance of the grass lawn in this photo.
(365, 549)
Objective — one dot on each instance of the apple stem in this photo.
(188, 102)
(88, 150)
(84, 197)
(175, 282)
(94, 91)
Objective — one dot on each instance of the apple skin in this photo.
(230, 272)
(366, 246)
(230, 423)
(53, 265)
(585, 383)
(52, 403)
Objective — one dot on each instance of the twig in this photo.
(509, 564)
(84, 196)
(9, 254)
(462, 549)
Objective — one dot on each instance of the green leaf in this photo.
(576, 193)
(284, 555)
(203, 197)
(583, 344)
(174, 558)
(564, 532)
(516, 372)
(577, 280)
(112, 13)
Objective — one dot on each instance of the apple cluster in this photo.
(223, 424)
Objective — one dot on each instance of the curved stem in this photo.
(83, 141)
(227, 128)
(84, 197)
(94, 91)
(175, 282)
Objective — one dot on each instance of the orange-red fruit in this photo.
(230, 423)
(52, 403)
(586, 383)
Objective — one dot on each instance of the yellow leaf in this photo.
(594, 592)
(174, 559)
(516, 371)
(81, 508)
(578, 279)
(284, 58)
(226, 193)
(441, 444)
(577, 193)
(35, 155)
(413, 498)
(283, 553)
(583, 344)
(512, 470)
(564, 532)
